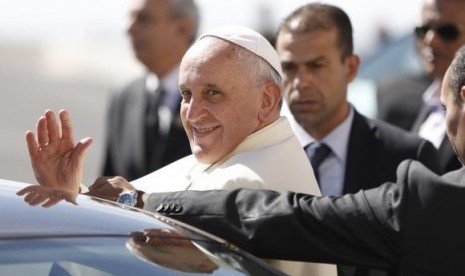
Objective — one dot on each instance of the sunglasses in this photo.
(447, 32)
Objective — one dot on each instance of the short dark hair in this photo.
(318, 16)
(457, 73)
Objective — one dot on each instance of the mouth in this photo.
(203, 131)
(305, 103)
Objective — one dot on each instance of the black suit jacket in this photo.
(414, 227)
(375, 150)
(400, 103)
(400, 99)
(447, 157)
(125, 152)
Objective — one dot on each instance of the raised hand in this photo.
(56, 161)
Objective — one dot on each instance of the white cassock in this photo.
(271, 158)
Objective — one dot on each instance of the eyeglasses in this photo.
(447, 32)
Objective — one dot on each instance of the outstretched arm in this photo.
(56, 160)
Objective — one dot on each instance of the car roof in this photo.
(91, 216)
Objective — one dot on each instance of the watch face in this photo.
(126, 199)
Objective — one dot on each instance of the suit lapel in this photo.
(134, 124)
(361, 155)
(422, 115)
(447, 157)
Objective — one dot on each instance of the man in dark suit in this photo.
(315, 46)
(316, 50)
(438, 37)
(400, 98)
(144, 130)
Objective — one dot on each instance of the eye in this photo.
(314, 65)
(143, 18)
(186, 95)
(287, 67)
(212, 92)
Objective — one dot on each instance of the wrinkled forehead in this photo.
(210, 48)
(212, 60)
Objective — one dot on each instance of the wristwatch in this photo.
(128, 198)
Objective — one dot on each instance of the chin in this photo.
(200, 155)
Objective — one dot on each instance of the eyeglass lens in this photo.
(447, 32)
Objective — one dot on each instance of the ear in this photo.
(271, 98)
(353, 63)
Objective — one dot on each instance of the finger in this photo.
(66, 126)
(42, 132)
(121, 182)
(25, 190)
(32, 146)
(71, 199)
(30, 197)
(99, 182)
(39, 198)
(52, 126)
(80, 152)
(52, 201)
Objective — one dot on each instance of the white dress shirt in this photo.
(433, 128)
(332, 169)
(167, 108)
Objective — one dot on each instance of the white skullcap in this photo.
(250, 40)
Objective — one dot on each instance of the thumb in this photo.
(81, 149)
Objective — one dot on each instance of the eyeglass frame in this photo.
(421, 31)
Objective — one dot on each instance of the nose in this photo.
(302, 79)
(195, 110)
(432, 39)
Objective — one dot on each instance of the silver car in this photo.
(97, 237)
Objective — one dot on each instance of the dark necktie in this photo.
(154, 101)
(317, 156)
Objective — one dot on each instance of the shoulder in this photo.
(391, 142)
(393, 135)
(131, 88)
(455, 176)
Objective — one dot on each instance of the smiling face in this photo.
(316, 78)
(221, 105)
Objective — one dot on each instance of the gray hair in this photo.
(186, 9)
(260, 70)
(457, 73)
